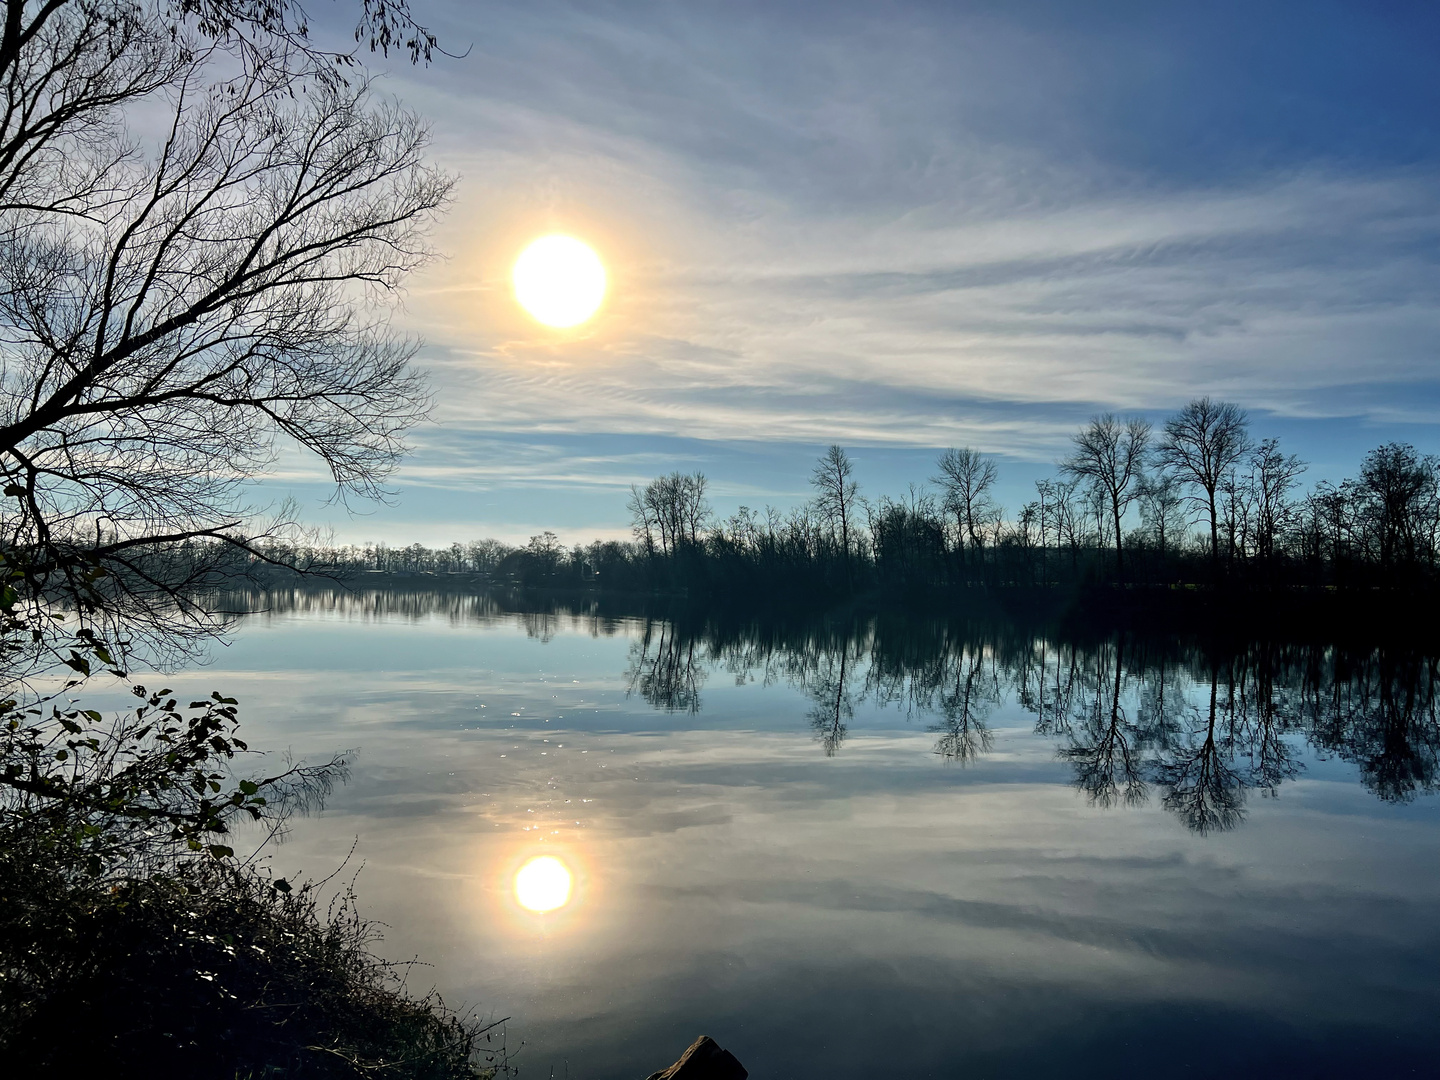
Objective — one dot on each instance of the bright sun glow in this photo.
(559, 281)
(543, 884)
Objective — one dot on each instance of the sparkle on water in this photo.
(559, 281)
(543, 884)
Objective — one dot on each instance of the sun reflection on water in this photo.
(543, 884)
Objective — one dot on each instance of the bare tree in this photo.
(68, 68)
(1235, 499)
(1048, 523)
(1202, 443)
(174, 311)
(266, 29)
(695, 512)
(836, 495)
(1397, 502)
(672, 507)
(1068, 514)
(1273, 475)
(1109, 456)
(542, 556)
(643, 521)
(485, 555)
(965, 478)
(1162, 510)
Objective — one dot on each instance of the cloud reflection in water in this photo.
(770, 836)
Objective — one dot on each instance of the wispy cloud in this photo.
(917, 228)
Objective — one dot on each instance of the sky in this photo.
(902, 227)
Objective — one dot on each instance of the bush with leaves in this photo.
(132, 936)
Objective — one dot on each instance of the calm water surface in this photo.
(874, 850)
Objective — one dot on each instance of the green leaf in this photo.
(249, 787)
(220, 851)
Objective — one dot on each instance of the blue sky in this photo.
(902, 227)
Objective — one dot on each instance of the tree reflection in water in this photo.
(1198, 726)
(828, 682)
(667, 669)
(1201, 726)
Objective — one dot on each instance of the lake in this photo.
(872, 847)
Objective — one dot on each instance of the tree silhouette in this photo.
(836, 495)
(1102, 747)
(1202, 443)
(1203, 787)
(833, 707)
(1272, 476)
(1109, 455)
(965, 704)
(965, 480)
(1398, 500)
(1206, 726)
(171, 316)
(670, 677)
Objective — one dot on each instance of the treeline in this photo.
(1196, 502)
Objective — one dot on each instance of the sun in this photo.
(543, 884)
(559, 280)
